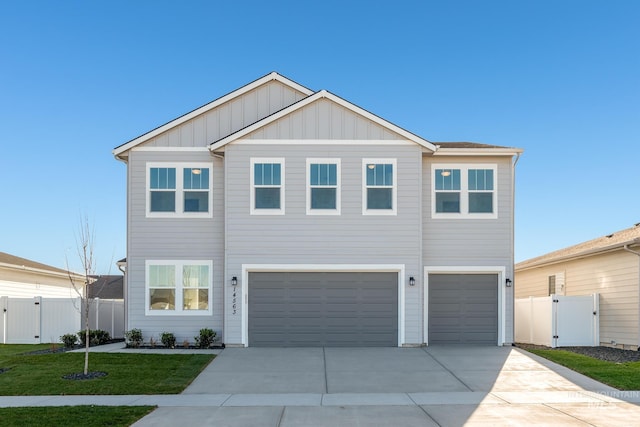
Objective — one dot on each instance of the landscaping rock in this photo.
(82, 376)
(608, 354)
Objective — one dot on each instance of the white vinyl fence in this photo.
(558, 320)
(108, 315)
(44, 320)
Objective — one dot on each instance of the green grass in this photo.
(86, 416)
(127, 373)
(623, 376)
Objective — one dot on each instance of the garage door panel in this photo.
(463, 308)
(323, 309)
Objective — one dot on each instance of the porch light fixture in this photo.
(412, 281)
(507, 282)
(234, 281)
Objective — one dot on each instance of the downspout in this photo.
(513, 246)
(626, 248)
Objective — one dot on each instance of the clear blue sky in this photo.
(560, 79)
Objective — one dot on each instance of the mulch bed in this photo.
(608, 354)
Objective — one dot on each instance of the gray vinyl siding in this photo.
(229, 117)
(172, 239)
(472, 242)
(350, 238)
(324, 119)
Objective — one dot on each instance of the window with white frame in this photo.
(267, 186)
(179, 190)
(323, 186)
(178, 287)
(379, 178)
(464, 191)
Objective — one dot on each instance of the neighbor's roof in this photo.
(617, 240)
(18, 263)
(107, 287)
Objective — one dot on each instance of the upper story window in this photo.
(464, 191)
(267, 186)
(379, 187)
(179, 190)
(323, 186)
(178, 287)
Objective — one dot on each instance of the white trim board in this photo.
(311, 268)
(499, 270)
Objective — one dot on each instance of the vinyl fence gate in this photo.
(558, 320)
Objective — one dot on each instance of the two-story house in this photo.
(280, 216)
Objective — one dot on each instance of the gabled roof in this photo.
(18, 263)
(323, 94)
(614, 241)
(207, 107)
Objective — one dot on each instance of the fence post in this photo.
(37, 301)
(3, 307)
(96, 307)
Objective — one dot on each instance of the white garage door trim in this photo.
(499, 270)
(311, 268)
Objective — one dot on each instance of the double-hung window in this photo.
(267, 186)
(179, 190)
(178, 287)
(379, 179)
(323, 186)
(464, 191)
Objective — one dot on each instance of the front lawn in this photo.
(623, 376)
(85, 416)
(134, 373)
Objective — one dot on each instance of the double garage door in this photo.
(304, 309)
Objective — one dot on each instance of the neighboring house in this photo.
(23, 278)
(106, 287)
(609, 266)
(280, 216)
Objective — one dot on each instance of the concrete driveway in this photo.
(439, 385)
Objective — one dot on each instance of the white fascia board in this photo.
(306, 101)
(75, 276)
(478, 151)
(213, 104)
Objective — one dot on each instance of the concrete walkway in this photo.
(439, 386)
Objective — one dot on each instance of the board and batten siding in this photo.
(172, 239)
(615, 276)
(229, 117)
(348, 238)
(472, 242)
(324, 119)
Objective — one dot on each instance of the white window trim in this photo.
(464, 191)
(252, 192)
(338, 185)
(394, 188)
(179, 167)
(178, 311)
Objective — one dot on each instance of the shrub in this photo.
(168, 339)
(96, 337)
(134, 338)
(69, 340)
(206, 338)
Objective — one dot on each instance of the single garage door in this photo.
(323, 309)
(463, 308)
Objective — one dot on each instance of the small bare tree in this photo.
(84, 247)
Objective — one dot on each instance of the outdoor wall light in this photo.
(412, 281)
(234, 281)
(507, 282)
